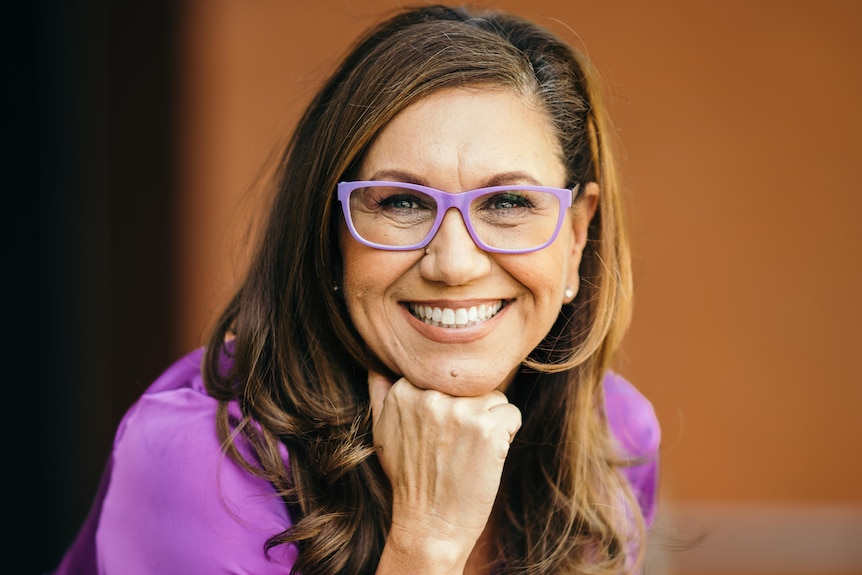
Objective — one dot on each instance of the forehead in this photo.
(459, 134)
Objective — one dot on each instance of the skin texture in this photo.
(447, 418)
(457, 140)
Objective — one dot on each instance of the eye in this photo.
(390, 199)
(400, 201)
(397, 204)
(506, 201)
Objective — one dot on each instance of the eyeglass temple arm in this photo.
(576, 193)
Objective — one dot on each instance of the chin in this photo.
(460, 382)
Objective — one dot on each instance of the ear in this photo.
(581, 215)
(584, 209)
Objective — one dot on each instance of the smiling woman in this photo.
(415, 374)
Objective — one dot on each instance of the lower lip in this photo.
(453, 334)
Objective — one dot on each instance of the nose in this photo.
(453, 257)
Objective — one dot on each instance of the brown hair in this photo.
(299, 367)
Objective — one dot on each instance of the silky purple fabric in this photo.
(170, 502)
(635, 427)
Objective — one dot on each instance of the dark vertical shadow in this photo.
(105, 179)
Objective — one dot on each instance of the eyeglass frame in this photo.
(458, 200)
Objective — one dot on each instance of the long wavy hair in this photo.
(298, 370)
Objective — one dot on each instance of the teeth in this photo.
(457, 317)
(448, 316)
(461, 317)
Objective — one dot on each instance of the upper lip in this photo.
(453, 303)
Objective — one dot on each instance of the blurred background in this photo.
(741, 127)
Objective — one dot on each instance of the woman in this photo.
(414, 376)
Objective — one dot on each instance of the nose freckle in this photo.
(454, 373)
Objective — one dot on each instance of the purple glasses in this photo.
(501, 219)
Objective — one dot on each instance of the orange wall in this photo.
(741, 124)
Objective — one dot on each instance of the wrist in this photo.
(421, 553)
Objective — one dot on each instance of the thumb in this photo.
(378, 387)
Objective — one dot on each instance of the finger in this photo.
(494, 399)
(378, 387)
(510, 418)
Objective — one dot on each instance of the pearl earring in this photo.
(569, 293)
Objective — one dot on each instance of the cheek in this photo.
(357, 284)
(547, 275)
(370, 275)
(354, 284)
(354, 259)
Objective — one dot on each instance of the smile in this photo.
(455, 317)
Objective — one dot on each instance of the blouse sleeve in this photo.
(635, 427)
(175, 504)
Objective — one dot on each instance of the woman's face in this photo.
(456, 140)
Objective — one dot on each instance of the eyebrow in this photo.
(502, 179)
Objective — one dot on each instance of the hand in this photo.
(444, 457)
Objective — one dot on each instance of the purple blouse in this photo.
(170, 501)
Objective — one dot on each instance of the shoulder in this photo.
(193, 508)
(175, 403)
(174, 419)
(635, 428)
(631, 417)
